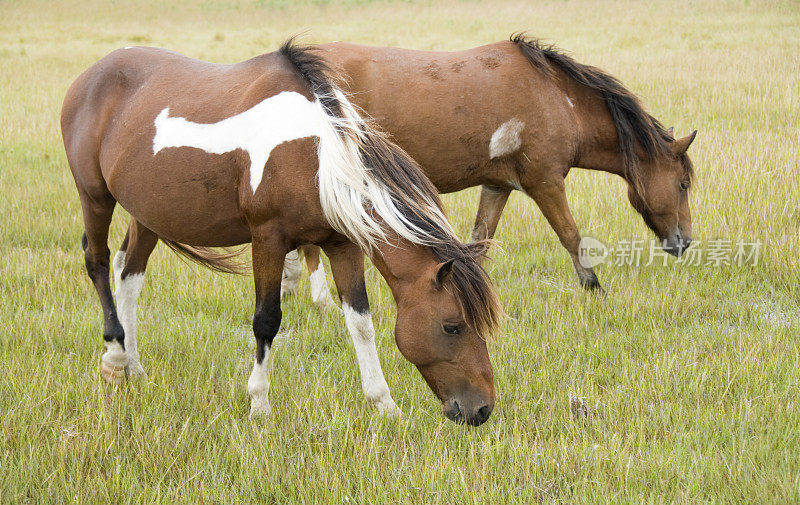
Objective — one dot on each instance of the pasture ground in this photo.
(690, 374)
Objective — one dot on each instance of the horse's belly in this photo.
(186, 196)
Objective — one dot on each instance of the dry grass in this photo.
(689, 376)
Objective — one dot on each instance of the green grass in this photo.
(691, 375)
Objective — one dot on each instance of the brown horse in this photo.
(517, 115)
(270, 151)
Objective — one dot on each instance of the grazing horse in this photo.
(270, 151)
(517, 115)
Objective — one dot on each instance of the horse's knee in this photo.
(96, 264)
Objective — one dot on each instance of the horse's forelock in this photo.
(472, 286)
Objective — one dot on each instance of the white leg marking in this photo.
(112, 363)
(291, 273)
(319, 287)
(127, 292)
(258, 387)
(372, 381)
(506, 139)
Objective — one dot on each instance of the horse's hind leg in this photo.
(493, 200)
(269, 251)
(98, 208)
(320, 294)
(291, 273)
(129, 266)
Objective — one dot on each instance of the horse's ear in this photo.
(443, 272)
(671, 131)
(681, 145)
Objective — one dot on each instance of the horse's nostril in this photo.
(484, 413)
(455, 413)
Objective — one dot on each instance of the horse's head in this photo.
(662, 195)
(441, 327)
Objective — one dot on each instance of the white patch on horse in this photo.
(372, 380)
(570, 103)
(128, 47)
(127, 292)
(280, 118)
(258, 387)
(506, 139)
(320, 294)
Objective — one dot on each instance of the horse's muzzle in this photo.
(676, 244)
(464, 413)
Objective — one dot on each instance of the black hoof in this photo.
(592, 284)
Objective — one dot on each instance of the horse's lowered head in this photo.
(442, 323)
(660, 193)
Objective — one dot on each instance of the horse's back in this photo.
(443, 107)
(184, 194)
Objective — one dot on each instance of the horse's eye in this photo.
(451, 329)
(684, 185)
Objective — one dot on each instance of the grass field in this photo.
(690, 374)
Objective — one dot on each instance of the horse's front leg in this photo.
(551, 198)
(347, 264)
(269, 250)
(493, 201)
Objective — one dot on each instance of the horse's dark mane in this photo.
(634, 125)
(412, 192)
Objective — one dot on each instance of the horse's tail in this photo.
(222, 262)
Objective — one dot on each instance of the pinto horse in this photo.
(270, 151)
(516, 115)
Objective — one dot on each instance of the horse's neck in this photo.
(599, 144)
(401, 264)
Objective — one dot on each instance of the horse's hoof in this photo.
(112, 374)
(112, 365)
(259, 409)
(328, 304)
(387, 407)
(135, 371)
